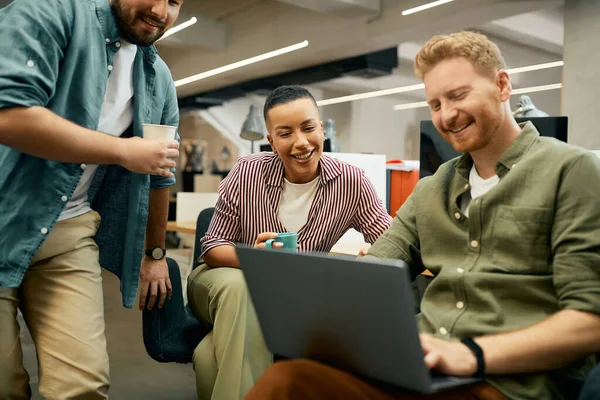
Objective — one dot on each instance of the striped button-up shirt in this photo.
(250, 195)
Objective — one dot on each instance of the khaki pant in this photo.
(61, 300)
(231, 358)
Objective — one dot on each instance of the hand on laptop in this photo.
(448, 358)
(263, 237)
(363, 252)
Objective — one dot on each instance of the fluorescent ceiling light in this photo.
(242, 63)
(368, 95)
(410, 106)
(535, 67)
(532, 89)
(425, 7)
(411, 88)
(179, 27)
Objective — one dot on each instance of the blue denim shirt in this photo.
(56, 54)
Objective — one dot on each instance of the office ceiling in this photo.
(531, 29)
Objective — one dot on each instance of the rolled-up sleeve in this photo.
(35, 35)
(401, 240)
(170, 117)
(225, 226)
(371, 218)
(575, 237)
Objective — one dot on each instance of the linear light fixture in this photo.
(179, 27)
(532, 89)
(242, 63)
(410, 106)
(412, 88)
(368, 95)
(425, 7)
(535, 67)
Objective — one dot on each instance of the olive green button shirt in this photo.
(529, 248)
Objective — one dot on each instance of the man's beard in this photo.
(126, 27)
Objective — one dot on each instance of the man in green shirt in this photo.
(511, 231)
(79, 186)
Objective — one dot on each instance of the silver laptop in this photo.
(354, 315)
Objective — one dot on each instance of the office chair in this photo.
(172, 333)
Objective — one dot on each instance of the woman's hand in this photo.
(262, 238)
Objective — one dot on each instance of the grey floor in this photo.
(134, 375)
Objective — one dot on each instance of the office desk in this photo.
(341, 248)
(182, 227)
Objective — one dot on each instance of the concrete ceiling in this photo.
(254, 27)
(525, 39)
(218, 9)
(528, 31)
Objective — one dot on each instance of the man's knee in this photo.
(95, 381)
(84, 376)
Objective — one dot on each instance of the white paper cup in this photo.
(159, 132)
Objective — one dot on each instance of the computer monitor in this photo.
(436, 151)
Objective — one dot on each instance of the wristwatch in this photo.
(156, 253)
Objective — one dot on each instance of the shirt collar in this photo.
(111, 31)
(329, 168)
(511, 156)
(519, 147)
(107, 21)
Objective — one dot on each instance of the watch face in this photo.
(157, 253)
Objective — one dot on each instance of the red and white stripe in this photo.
(249, 201)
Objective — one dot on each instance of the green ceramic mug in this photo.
(288, 239)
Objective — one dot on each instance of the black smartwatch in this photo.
(476, 350)
(156, 253)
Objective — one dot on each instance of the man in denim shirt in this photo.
(78, 78)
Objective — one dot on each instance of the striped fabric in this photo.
(249, 199)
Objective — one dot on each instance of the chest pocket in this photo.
(521, 240)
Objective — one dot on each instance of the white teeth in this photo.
(459, 129)
(303, 156)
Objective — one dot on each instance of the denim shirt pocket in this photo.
(521, 239)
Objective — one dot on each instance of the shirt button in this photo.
(467, 186)
(514, 165)
(110, 67)
(460, 270)
(118, 44)
(460, 305)
(83, 166)
(107, 40)
(457, 215)
(474, 243)
(64, 198)
(30, 64)
(44, 231)
(443, 331)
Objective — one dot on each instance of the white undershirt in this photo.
(116, 116)
(294, 205)
(479, 187)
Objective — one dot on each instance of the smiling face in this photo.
(143, 22)
(467, 106)
(296, 135)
